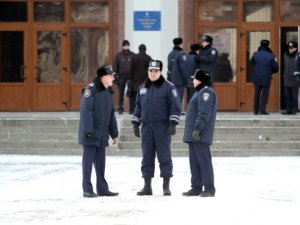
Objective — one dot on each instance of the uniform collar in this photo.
(157, 83)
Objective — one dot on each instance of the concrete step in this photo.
(237, 134)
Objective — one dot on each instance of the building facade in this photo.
(49, 50)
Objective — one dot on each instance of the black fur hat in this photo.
(202, 75)
(105, 70)
(177, 41)
(264, 43)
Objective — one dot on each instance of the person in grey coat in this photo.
(290, 83)
(198, 133)
(97, 122)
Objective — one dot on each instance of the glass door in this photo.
(49, 89)
(13, 69)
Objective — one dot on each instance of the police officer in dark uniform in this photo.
(176, 66)
(198, 133)
(190, 69)
(290, 82)
(207, 59)
(97, 123)
(158, 110)
(265, 64)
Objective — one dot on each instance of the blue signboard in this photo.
(146, 20)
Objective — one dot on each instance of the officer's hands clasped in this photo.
(136, 131)
(172, 129)
(196, 135)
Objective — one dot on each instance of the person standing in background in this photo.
(207, 58)
(265, 64)
(122, 66)
(97, 122)
(176, 66)
(191, 67)
(290, 83)
(137, 75)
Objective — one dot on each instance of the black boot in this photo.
(147, 189)
(166, 186)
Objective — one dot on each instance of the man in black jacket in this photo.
(97, 123)
(122, 66)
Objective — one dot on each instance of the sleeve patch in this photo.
(206, 96)
(87, 93)
(213, 52)
(174, 92)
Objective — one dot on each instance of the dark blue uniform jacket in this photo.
(201, 115)
(265, 64)
(157, 102)
(207, 59)
(97, 116)
(176, 66)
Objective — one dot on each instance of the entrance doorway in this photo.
(250, 38)
(286, 34)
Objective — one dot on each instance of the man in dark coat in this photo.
(265, 64)
(198, 133)
(290, 82)
(176, 66)
(207, 58)
(158, 110)
(191, 67)
(122, 66)
(97, 123)
(137, 75)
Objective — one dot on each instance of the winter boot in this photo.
(147, 189)
(166, 186)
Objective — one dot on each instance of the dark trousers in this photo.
(261, 96)
(201, 166)
(93, 155)
(155, 139)
(190, 92)
(132, 101)
(121, 87)
(180, 90)
(291, 99)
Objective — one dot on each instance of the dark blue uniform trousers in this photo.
(93, 155)
(201, 166)
(261, 97)
(291, 99)
(155, 138)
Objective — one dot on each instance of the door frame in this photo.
(246, 89)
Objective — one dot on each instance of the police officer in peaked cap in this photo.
(157, 111)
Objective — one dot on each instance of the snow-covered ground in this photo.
(39, 190)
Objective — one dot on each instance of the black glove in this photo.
(196, 135)
(172, 129)
(89, 135)
(136, 131)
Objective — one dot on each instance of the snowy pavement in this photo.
(39, 190)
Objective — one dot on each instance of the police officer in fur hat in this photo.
(158, 110)
(198, 134)
(97, 122)
(290, 82)
(207, 58)
(265, 64)
(176, 66)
